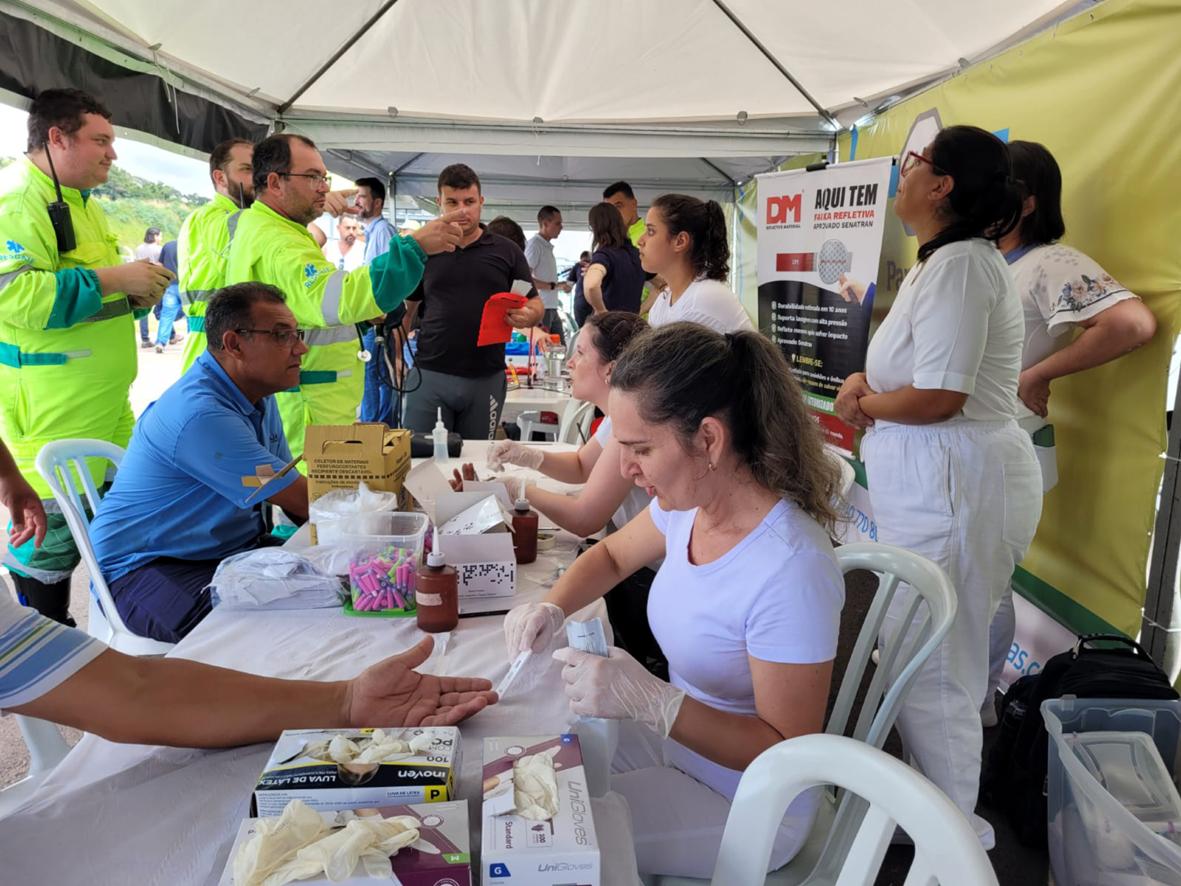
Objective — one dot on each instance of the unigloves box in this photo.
(524, 850)
(440, 857)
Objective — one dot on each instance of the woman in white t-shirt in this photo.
(685, 242)
(608, 499)
(1062, 291)
(746, 604)
(951, 475)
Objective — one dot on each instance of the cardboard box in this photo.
(516, 851)
(485, 565)
(301, 768)
(341, 456)
(444, 826)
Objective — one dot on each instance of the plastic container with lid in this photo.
(1110, 806)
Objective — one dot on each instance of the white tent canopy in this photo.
(690, 95)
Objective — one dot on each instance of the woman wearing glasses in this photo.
(1062, 290)
(951, 475)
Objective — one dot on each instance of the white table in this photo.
(124, 814)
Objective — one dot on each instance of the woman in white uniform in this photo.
(951, 475)
(746, 604)
(609, 499)
(1062, 292)
(685, 242)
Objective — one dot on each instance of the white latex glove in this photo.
(618, 688)
(511, 452)
(532, 626)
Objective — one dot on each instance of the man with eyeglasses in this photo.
(272, 244)
(67, 327)
(178, 505)
(205, 236)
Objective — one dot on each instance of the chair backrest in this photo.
(884, 697)
(947, 849)
(576, 421)
(895, 673)
(64, 466)
(530, 423)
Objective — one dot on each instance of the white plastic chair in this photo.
(530, 423)
(577, 417)
(822, 856)
(946, 848)
(63, 465)
(47, 748)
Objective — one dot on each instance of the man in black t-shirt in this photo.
(465, 380)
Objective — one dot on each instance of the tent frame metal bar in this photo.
(336, 56)
(720, 171)
(767, 54)
(1160, 629)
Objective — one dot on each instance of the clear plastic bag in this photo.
(274, 578)
(330, 512)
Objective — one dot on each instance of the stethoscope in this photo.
(363, 354)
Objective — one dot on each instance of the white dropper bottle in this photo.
(439, 438)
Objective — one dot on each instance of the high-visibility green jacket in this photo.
(202, 249)
(327, 303)
(67, 353)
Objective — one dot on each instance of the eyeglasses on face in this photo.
(318, 180)
(913, 159)
(283, 336)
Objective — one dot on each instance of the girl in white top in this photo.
(746, 604)
(951, 476)
(685, 242)
(1062, 291)
(608, 499)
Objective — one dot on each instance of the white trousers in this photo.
(677, 822)
(1000, 642)
(967, 496)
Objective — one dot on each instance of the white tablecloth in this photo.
(133, 814)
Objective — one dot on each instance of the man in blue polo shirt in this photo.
(178, 505)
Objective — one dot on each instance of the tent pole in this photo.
(336, 56)
(1160, 629)
(758, 44)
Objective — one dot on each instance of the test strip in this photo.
(514, 669)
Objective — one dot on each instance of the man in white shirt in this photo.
(345, 252)
(540, 253)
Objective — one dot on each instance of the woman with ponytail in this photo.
(685, 243)
(746, 604)
(951, 475)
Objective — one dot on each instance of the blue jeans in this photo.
(377, 403)
(170, 311)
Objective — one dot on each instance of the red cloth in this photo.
(494, 327)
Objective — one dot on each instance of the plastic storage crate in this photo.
(1093, 839)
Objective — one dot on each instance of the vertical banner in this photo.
(819, 244)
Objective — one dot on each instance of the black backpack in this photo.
(1014, 778)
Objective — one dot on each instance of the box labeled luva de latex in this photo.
(334, 769)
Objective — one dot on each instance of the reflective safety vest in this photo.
(202, 249)
(67, 352)
(327, 302)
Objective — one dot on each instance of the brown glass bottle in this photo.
(525, 523)
(436, 594)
